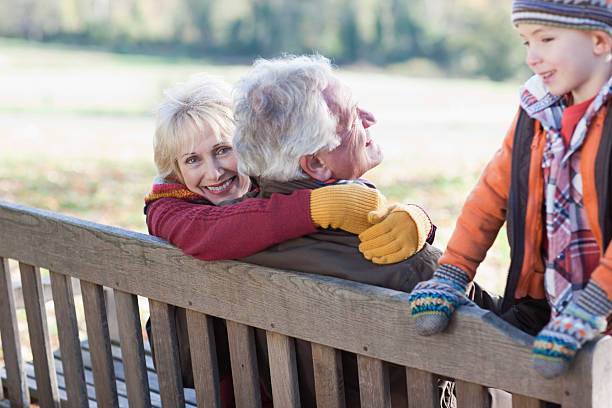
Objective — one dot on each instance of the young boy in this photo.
(551, 182)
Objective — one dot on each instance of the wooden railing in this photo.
(478, 349)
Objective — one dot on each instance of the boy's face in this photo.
(565, 59)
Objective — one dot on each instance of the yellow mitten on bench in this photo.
(344, 206)
(399, 232)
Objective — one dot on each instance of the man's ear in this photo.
(602, 43)
(314, 167)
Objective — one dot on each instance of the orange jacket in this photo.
(487, 208)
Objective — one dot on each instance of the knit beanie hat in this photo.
(575, 14)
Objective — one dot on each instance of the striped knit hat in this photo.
(576, 14)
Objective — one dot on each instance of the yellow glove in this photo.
(344, 206)
(399, 231)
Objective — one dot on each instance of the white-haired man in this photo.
(298, 126)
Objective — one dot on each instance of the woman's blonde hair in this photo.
(188, 108)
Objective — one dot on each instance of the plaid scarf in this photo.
(572, 252)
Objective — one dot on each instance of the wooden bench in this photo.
(477, 349)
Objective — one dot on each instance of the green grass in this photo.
(100, 190)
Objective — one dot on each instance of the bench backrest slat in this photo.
(422, 388)
(99, 344)
(204, 359)
(283, 370)
(328, 376)
(243, 357)
(68, 334)
(373, 382)
(520, 401)
(44, 368)
(167, 361)
(11, 345)
(132, 349)
(471, 395)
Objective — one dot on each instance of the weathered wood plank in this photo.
(132, 350)
(167, 360)
(244, 365)
(520, 401)
(374, 388)
(190, 397)
(601, 369)
(255, 296)
(99, 343)
(471, 395)
(422, 388)
(589, 380)
(68, 334)
(204, 359)
(39, 336)
(11, 345)
(329, 379)
(283, 370)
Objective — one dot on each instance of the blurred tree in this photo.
(485, 44)
(462, 37)
(349, 34)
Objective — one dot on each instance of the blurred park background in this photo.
(80, 80)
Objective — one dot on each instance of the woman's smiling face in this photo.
(208, 167)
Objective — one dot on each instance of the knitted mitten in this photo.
(399, 231)
(344, 206)
(433, 301)
(557, 343)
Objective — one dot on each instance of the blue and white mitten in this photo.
(557, 343)
(433, 301)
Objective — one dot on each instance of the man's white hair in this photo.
(281, 115)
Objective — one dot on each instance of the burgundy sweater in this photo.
(233, 231)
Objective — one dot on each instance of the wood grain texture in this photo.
(374, 388)
(358, 318)
(471, 395)
(99, 343)
(167, 360)
(422, 388)
(132, 349)
(283, 370)
(328, 376)
(39, 336)
(520, 401)
(244, 365)
(11, 344)
(204, 359)
(68, 333)
(588, 381)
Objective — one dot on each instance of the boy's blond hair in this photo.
(189, 108)
(595, 15)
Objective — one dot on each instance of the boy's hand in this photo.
(399, 231)
(432, 302)
(344, 206)
(557, 343)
